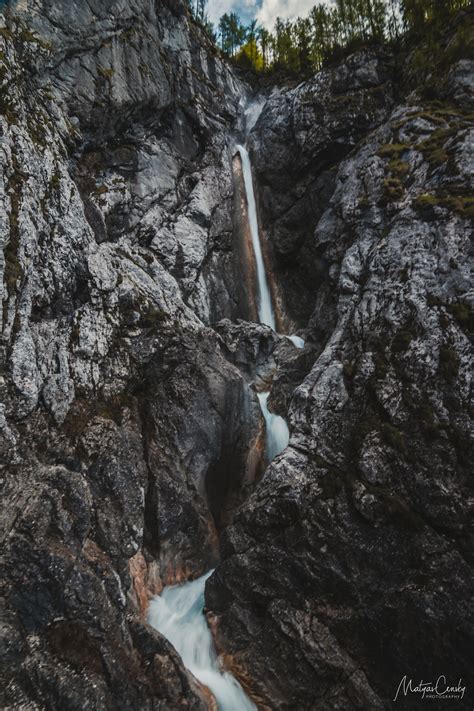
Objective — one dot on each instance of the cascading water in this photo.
(278, 434)
(276, 427)
(297, 341)
(178, 614)
(266, 314)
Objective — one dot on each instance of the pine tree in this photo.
(305, 44)
(251, 38)
(303, 40)
(264, 37)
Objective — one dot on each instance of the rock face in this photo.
(351, 564)
(296, 145)
(127, 436)
(130, 430)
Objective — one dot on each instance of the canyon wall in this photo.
(350, 566)
(126, 434)
(130, 430)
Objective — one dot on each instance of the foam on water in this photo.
(178, 613)
(297, 341)
(278, 434)
(252, 113)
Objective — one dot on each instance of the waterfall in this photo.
(278, 434)
(252, 113)
(297, 341)
(266, 314)
(178, 614)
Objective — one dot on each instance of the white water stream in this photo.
(266, 314)
(277, 432)
(178, 614)
(276, 427)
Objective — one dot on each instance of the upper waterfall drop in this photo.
(266, 313)
(252, 113)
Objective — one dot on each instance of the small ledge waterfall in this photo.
(178, 613)
(277, 433)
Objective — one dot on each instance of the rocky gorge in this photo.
(132, 439)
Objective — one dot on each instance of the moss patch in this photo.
(393, 150)
(462, 204)
(398, 167)
(392, 189)
(448, 362)
(106, 72)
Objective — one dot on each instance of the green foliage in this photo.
(425, 201)
(393, 189)
(462, 204)
(393, 150)
(300, 47)
(331, 29)
(197, 9)
(398, 167)
(433, 148)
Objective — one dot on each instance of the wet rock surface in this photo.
(296, 145)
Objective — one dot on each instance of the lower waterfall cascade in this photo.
(178, 613)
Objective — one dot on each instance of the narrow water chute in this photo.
(178, 614)
(278, 434)
(297, 341)
(266, 314)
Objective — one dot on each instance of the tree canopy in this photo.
(305, 44)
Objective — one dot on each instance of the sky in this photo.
(265, 11)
